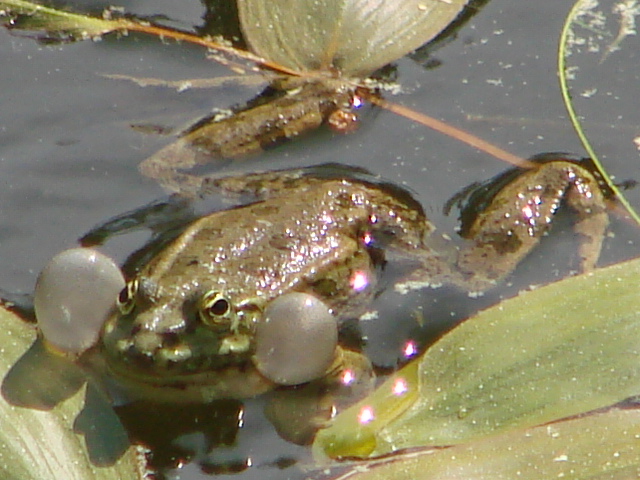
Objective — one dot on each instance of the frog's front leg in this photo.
(514, 219)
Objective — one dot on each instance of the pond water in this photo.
(69, 158)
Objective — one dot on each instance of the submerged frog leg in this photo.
(298, 413)
(350, 369)
(292, 111)
(274, 183)
(158, 216)
(511, 225)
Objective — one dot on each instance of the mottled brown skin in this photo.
(251, 255)
(301, 106)
(314, 235)
(513, 224)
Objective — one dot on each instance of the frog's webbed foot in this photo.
(168, 166)
(517, 208)
(218, 138)
(158, 216)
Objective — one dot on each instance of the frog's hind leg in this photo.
(511, 224)
(285, 110)
(158, 216)
(298, 413)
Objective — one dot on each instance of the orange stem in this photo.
(452, 132)
(401, 110)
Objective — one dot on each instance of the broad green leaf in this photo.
(598, 446)
(557, 351)
(51, 420)
(354, 37)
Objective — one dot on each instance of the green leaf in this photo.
(599, 446)
(51, 419)
(557, 351)
(355, 37)
(32, 16)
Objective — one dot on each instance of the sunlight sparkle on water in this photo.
(400, 387)
(410, 349)
(241, 418)
(367, 238)
(359, 280)
(366, 415)
(348, 377)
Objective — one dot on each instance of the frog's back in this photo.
(265, 248)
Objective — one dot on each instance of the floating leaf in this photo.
(599, 446)
(354, 37)
(32, 16)
(49, 422)
(557, 351)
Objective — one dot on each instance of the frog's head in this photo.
(164, 331)
(171, 336)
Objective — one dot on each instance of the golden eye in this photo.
(215, 309)
(127, 296)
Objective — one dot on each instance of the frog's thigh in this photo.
(511, 226)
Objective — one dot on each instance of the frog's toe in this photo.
(296, 340)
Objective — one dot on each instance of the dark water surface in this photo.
(68, 158)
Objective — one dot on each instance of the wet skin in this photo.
(188, 317)
(288, 108)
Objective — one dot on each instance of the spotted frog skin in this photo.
(188, 317)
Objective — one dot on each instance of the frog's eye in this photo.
(296, 339)
(215, 309)
(127, 296)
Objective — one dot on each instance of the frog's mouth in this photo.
(168, 359)
(234, 381)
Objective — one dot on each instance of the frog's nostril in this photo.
(296, 340)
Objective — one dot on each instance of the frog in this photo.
(288, 108)
(187, 320)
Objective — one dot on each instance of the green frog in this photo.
(189, 321)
